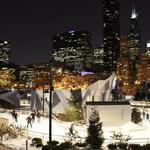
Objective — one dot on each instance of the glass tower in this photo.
(134, 45)
(111, 34)
(74, 49)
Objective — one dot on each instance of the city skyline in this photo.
(29, 26)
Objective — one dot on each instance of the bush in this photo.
(46, 147)
(112, 146)
(37, 142)
(14, 130)
(65, 145)
(51, 145)
(3, 130)
(146, 147)
(135, 147)
(123, 146)
(80, 144)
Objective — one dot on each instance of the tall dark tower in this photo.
(134, 45)
(111, 34)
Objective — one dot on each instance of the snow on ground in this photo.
(139, 133)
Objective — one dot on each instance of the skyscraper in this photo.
(148, 48)
(134, 45)
(111, 33)
(123, 61)
(74, 49)
(98, 60)
(4, 52)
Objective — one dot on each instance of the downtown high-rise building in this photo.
(98, 59)
(111, 34)
(73, 48)
(123, 61)
(133, 45)
(148, 48)
(4, 52)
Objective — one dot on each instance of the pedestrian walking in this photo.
(147, 116)
(143, 114)
(29, 121)
(38, 116)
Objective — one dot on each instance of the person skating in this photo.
(38, 116)
(29, 121)
(16, 116)
(33, 116)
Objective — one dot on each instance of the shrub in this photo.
(3, 130)
(72, 134)
(123, 146)
(80, 144)
(37, 142)
(15, 130)
(112, 146)
(119, 138)
(146, 147)
(52, 145)
(135, 147)
(65, 145)
(46, 147)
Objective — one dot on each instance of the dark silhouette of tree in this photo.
(95, 134)
(136, 116)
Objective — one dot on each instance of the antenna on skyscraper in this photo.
(133, 14)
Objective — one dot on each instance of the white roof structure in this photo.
(99, 91)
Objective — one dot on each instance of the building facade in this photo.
(111, 33)
(148, 48)
(98, 59)
(143, 69)
(26, 75)
(123, 64)
(4, 52)
(74, 49)
(134, 45)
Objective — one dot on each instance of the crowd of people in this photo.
(30, 119)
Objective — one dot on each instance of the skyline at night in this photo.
(29, 25)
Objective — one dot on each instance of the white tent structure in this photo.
(99, 90)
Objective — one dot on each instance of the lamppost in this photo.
(43, 99)
(50, 102)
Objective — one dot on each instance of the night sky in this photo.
(30, 24)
